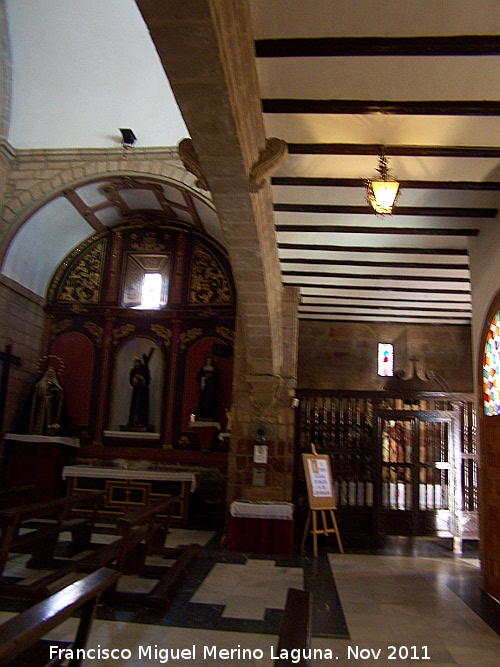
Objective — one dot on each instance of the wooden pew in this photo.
(296, 629)
(143, 533)
(10, 496)
(22, 637)
(54, 516)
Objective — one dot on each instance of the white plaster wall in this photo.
(82, 69)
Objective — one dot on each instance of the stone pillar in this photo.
(267, 399)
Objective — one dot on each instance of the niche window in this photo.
(146, 281)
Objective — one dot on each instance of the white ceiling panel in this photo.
(401, 78)
(42, 243)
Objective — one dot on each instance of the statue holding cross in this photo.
(8, 359)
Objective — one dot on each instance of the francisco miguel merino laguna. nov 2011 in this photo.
(166, 654)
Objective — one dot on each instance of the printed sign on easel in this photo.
(319, 481)
(320, 492)
(320, 478)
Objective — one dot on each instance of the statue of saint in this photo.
(46, 405)
(207, 379)
(139, 379)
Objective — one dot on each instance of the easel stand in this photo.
(319, 481)
(315, 531)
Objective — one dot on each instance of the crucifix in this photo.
(7, 359)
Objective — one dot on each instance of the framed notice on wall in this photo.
(319, 481)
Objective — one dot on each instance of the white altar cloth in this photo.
(129, 473)
(61, 440)
(249, 509)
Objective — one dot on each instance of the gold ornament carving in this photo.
(121, 332)
(189, 336)
(226, 333)
(95, 330)
(209, 283)
(61, 326)
(55, 285)
(82, 282)
(148, 242)
(163, 333)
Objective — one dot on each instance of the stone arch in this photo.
(27, 196)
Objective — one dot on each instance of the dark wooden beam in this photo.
(426, 211)
(367, 288)
(392, 107)
(402, 151)
(402, 251)
(406, 231)
(388, 318)
(309, 181)
(361, 304)
(320, 309)
(389, 265)
(439, 45)
(372, 298)
(372, 276)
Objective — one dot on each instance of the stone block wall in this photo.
(343, 355)
(22, 324)
(266, 399)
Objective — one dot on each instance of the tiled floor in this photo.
(399, 608)
(256, 585)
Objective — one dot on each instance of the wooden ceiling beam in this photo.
(435, 45)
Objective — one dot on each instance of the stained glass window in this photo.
(491, 369)
(385, 359)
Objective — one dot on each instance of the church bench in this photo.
(9, 496)
(22, 637)
(142, 533)
(296, 629)
(51, 517)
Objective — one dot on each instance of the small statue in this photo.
(207, 379)
(228, 420)
(46, 405)
(139, 379)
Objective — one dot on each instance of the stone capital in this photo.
(264, 390)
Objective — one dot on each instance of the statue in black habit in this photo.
(139, 379)
(207, 379)
(47, 405)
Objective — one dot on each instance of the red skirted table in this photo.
(261, 527)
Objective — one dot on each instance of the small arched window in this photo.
(385, 359)
(146, 281)
(491, 368)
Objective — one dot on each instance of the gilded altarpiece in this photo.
(103, 326)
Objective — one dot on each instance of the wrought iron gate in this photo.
(400, 466)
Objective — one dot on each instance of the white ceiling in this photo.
(338, 80)
(81, 70)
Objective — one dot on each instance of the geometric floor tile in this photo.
(246, 590)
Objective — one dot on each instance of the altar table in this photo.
(131, 487)
(261, 527)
